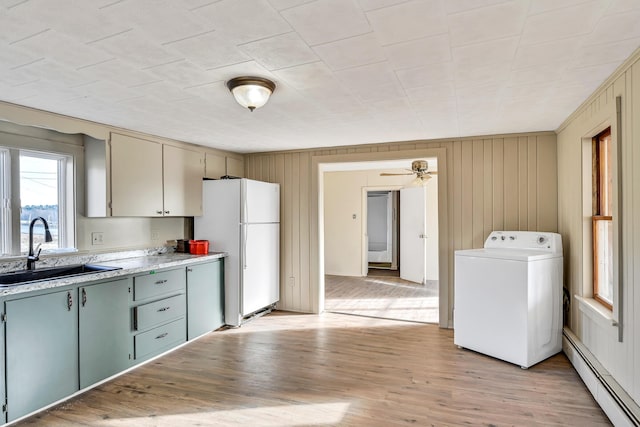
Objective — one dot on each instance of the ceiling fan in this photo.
(421, 170)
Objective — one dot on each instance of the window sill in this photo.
(596, 311)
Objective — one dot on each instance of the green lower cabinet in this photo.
(57, 342)
(159, 339)
(105, 340)
(42, 351)
(205, 298)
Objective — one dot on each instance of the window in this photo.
(35, 184)
(602, 219)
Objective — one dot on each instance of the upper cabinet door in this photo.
(136, 177)
(216, 166)
(235, 167)
(183, 173)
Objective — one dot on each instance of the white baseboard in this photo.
(614, 401)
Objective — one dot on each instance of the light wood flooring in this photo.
(382, 296)
(288, 369)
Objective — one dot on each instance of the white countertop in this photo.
(128, 266)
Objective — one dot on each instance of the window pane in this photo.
(604, 259)
(606, 176)
(38, 198)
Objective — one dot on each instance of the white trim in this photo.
(10, 195)
(596, 311)
(318, 164)
(587, 222)
(613, 399)
(365, 221)
(5, 203)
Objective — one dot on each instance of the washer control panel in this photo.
(548, 242)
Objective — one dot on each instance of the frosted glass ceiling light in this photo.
(420, 181)
(251, 92)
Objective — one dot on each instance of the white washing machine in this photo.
(508, 297)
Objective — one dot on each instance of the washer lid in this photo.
(509, 254)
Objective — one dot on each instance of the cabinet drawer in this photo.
(156, 313)
(154, 284)
(161, 338)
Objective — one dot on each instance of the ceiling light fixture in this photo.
(251, 92)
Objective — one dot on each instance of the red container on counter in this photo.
(199, 247)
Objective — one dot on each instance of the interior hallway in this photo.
(383, 296)
(288, 369)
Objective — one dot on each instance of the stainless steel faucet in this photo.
(31, 258)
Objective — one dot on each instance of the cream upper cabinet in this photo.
(136, 177)
(183, 172)
(152, 179)
(216, 166)
(235, 167)
(219, 166)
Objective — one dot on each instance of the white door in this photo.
(413, 220)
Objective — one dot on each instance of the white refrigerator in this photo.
(242, 217)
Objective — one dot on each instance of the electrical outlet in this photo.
(155, 235)
(97, 238)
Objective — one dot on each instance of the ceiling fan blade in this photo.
(433, 173)
(394, 174)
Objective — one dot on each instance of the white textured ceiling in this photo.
(347, 71)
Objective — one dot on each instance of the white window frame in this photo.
(588, 297)
(5, 202)
(601, 214)
(10, 195)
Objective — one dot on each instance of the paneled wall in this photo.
(488, 183)
(589, 321)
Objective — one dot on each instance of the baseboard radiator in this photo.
(614, 401)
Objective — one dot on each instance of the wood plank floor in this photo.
(385, 297)
(288, 369)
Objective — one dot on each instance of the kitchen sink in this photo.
(27, 276)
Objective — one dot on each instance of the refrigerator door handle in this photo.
(245, 230)
(244, 214)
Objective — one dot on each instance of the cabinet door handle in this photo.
(159, 212)
(159, 337)
(84, 297)
(69, 301)
(163, 309)
(166, 212)
(160, 282)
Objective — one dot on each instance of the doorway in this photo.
(362, 224)
(383, 232)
